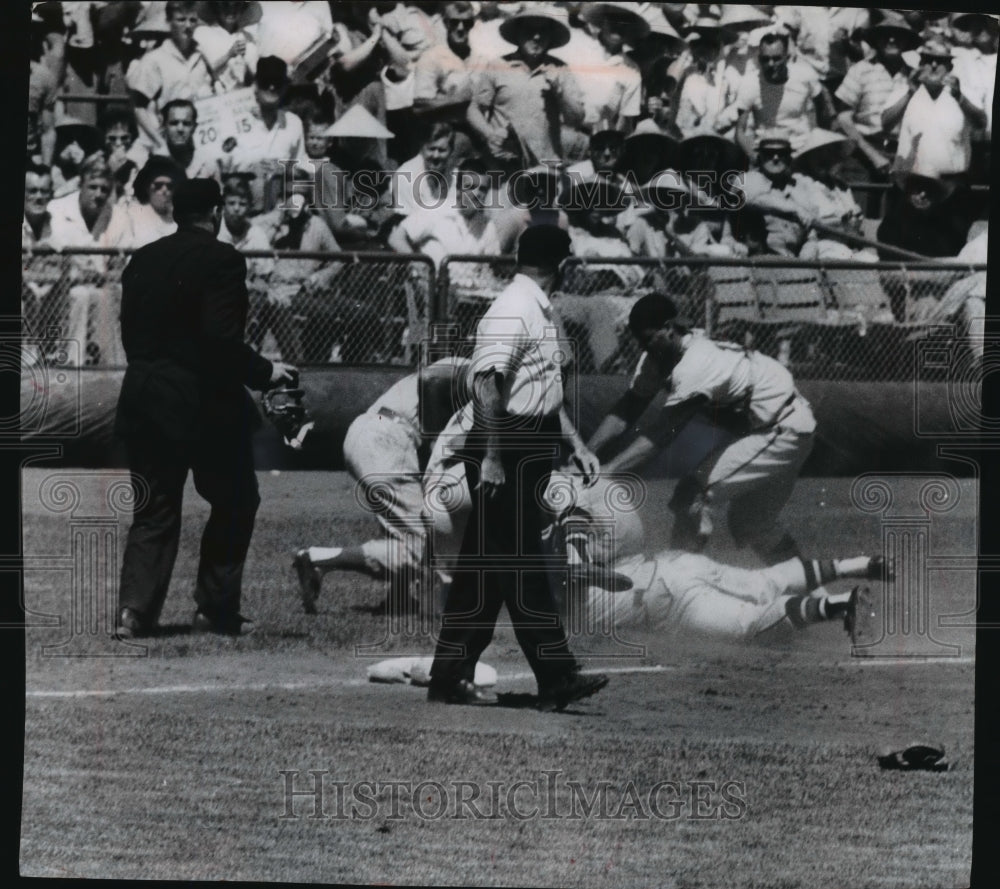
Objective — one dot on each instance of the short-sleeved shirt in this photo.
(934, 135)
(977, 74)
(519, 336)
(612, 87)
(288, 29)
(164, 74)
(413, 187)
(702, 104)
(509, 94)
(440, 74)
(784, 235)
(261, 149)
(868, 89)
(444, 231)
(786, 108)
(215, 41)
(729, 376)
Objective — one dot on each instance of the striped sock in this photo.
(819, 572)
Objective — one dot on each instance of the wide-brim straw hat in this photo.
(708, 27)
(70, 130)
(250, 13)
(511, 28)
(729, 155)
(895, 24)
(152, 20)
(824, 142)
(635, 26)
(595, 194)
(741, 17)
(966, 21)
(645, 153)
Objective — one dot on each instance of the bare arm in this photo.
(743, 137)
(878, 160)
(670, 422)
(488, 407)
(583, 458)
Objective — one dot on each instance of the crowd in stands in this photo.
(646, 129)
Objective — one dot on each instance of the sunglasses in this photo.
(458, 23)
(775, 153)
(38, 191)
(162, 184)
(936, 60)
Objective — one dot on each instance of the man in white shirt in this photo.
(459, 225)
(936, 130)
(421, 183)
(976, 68)
(180, 117)
(80, 219)
(174, 70)
(276, 136)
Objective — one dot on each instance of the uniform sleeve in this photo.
(500, 339)
(646, 381)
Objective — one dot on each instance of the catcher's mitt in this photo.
(284, 407)
(925, 757)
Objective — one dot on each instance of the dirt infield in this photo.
(735, 766)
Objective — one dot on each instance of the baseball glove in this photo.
(285, 409)
(925, 757)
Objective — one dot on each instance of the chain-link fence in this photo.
(305, 308)
(829, 320)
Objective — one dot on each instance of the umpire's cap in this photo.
(543, 246)
(656, 310)
(195, 196)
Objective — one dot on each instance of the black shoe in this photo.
(310, 579)
(229, 625)
(859, 620)
(460, 692)
(569, 688)
(881, 568)
(131, 625)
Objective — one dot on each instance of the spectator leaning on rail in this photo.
(175, 70)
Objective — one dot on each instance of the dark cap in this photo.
(654, 311)
(543, 246)
(194, 196)
(271, 71)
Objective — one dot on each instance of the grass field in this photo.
(175, 762)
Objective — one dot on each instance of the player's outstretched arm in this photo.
(583, 459)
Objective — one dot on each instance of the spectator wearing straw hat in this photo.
(176, 69)
(604, 152)
(226, 43)
(706, 103)
(75, 142)
(976, 68)
(612, 88)
(528, 105)
(935, 134)
(783, 95)
(822, 36)
(868, 92)
(784, 198)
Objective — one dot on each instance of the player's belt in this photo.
(390, 414)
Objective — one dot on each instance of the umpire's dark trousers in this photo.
(224, 476)
(503, 561)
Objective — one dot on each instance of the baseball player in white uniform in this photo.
(742, 388)
(682, 594)
(382, 451)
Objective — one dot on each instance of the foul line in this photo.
(508, 677)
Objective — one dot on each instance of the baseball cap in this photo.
(192, 196)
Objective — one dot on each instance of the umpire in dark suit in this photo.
(184, 406)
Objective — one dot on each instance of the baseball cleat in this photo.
(881, 568)
(310, 579)
(859, 621)
(222, 625)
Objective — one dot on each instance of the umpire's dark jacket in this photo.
(184, 311)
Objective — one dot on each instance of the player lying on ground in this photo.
(677, 592)
(383, 451)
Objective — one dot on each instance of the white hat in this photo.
(358, 123)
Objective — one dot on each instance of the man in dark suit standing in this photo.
(184, 406)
